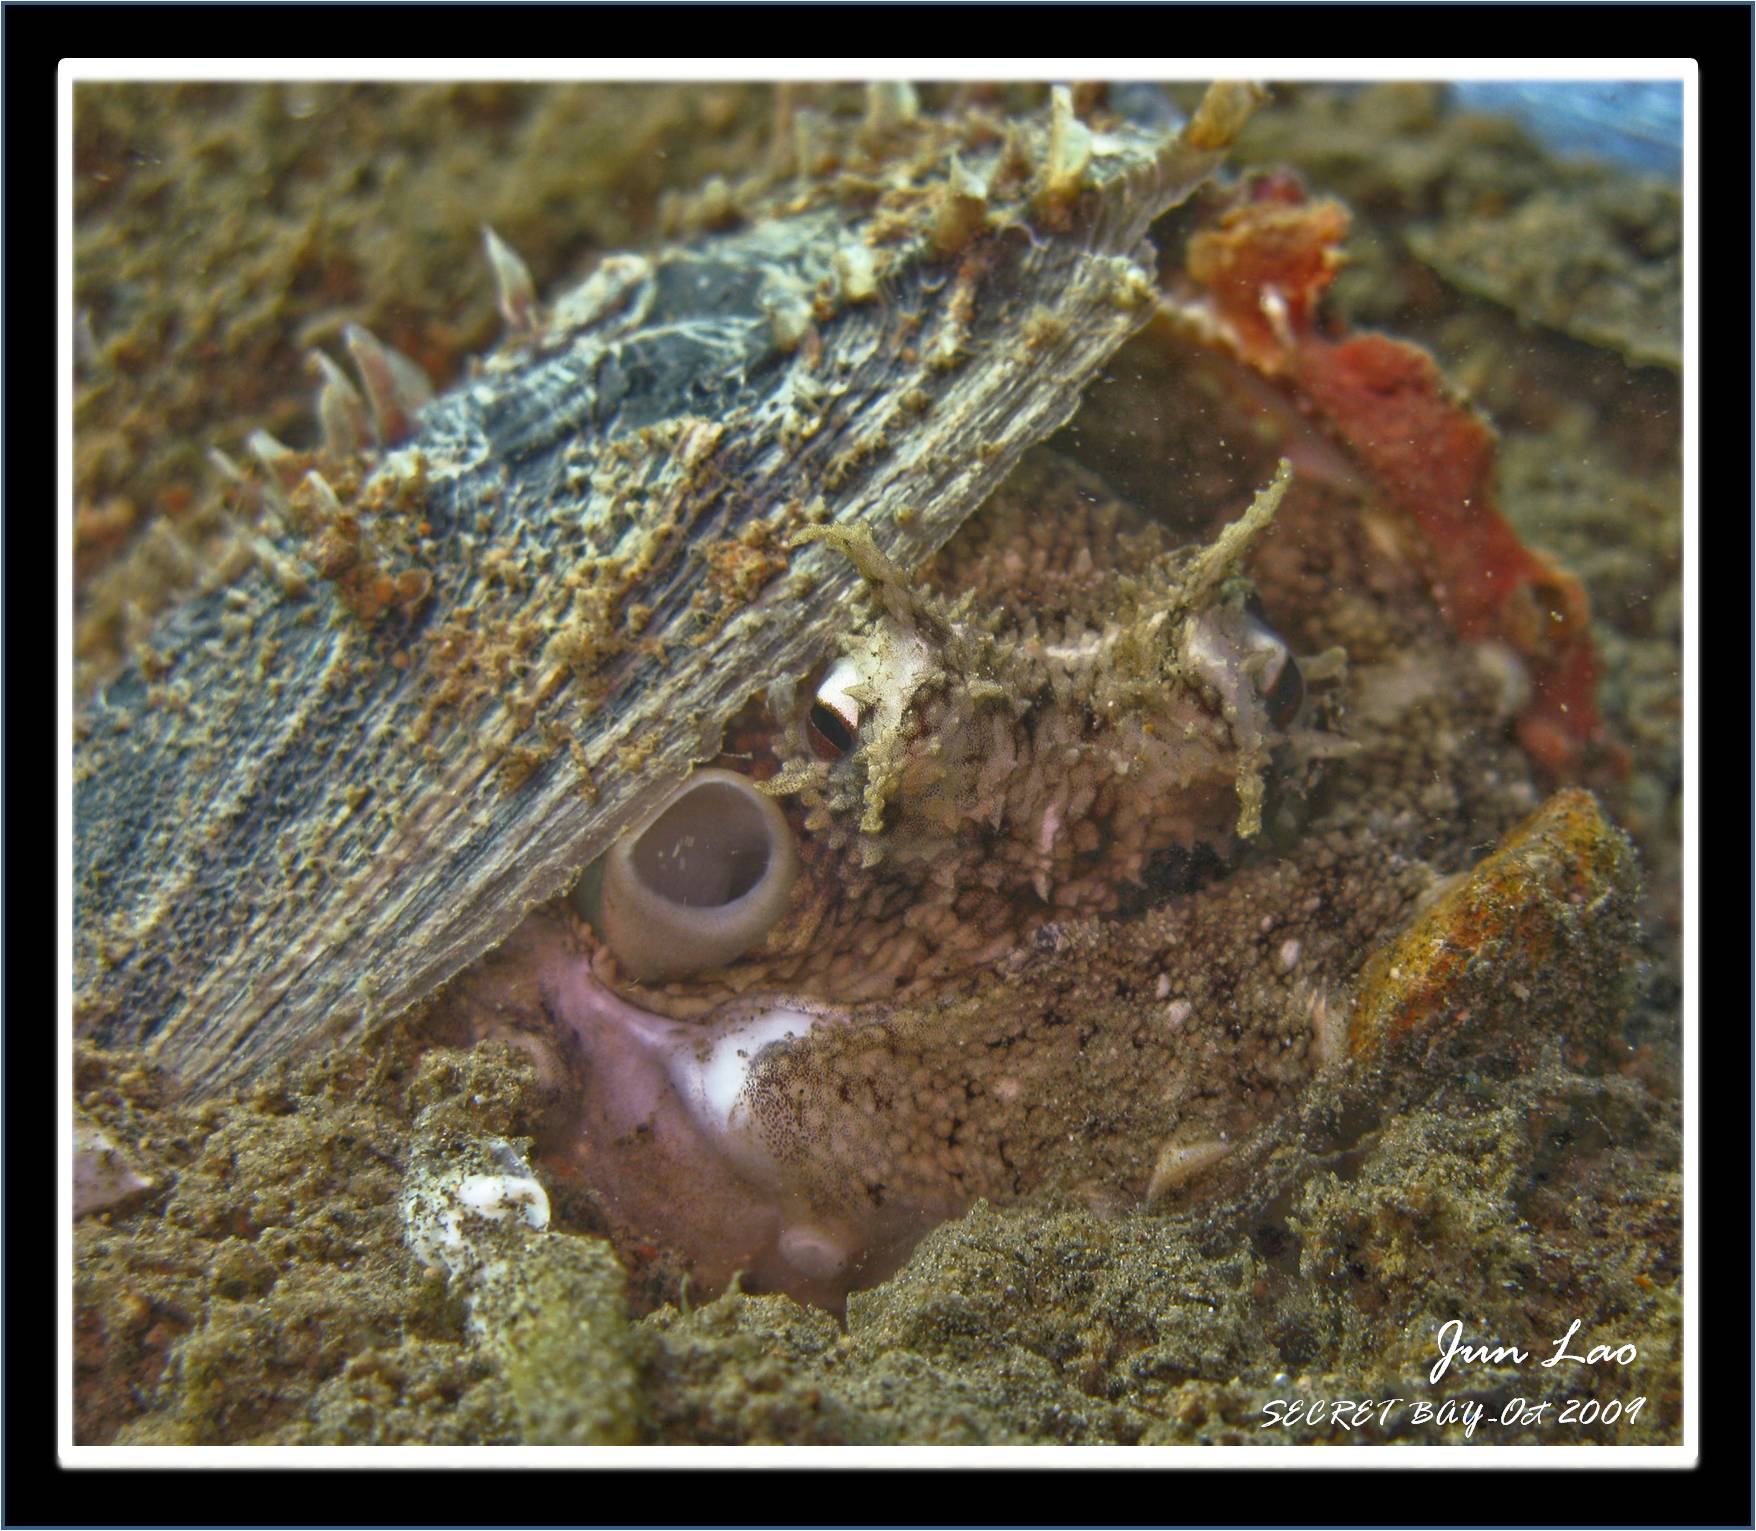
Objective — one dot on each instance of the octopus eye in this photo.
(832, 726)
(1283, 690)
(831, 735)
(1279, 682)
(700, 884)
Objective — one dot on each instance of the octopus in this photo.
(1061, 871)
(1078, 906)
(1058, 880)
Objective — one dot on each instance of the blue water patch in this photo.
(1634, 123)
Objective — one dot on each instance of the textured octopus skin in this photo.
(1114, 1046)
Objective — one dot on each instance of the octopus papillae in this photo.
(856, 792)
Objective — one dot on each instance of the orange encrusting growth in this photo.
(1263, 267)
(1518, 913)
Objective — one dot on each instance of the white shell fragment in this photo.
(445, 1209)
(512, 281)
(102, 1174)
(1182, 1162)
